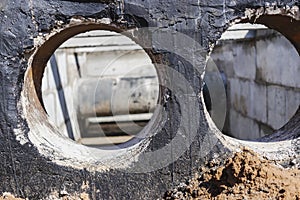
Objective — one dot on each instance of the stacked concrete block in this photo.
(240, 91)
(224, 59)
(263, 83)
(244, 63)
(282, 105)
(258, 102)
(281, 66)
(276, 106)
(292, 102)
(245, 128)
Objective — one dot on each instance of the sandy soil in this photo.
(8, 196)
(82, 196)
(245, 176)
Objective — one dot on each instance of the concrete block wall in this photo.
(263, 85)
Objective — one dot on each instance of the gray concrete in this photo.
(282, 65)
(244, 64)
(263, 81)
(37, 161)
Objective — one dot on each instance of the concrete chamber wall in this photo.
(263, 88)
(38, 161)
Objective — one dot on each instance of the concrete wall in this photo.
(263, 85)
(37, 162)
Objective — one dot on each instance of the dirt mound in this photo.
(54, 196)
(8, 196)
(245, 176)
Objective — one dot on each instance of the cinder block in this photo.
(281, 66)
(292, 103)
(234, 93)
(242, 127)
(223, 58)
(258, 102)
(117, 63)
(245, 100)
(244, 64)
(276, 106)
(240, 95)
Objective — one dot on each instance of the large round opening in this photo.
(90, 96)
(259, 69)
(100, 88)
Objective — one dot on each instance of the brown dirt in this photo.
(8, 196)
(245, 176)
(54, 196)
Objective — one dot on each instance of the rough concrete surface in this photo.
(37, 162)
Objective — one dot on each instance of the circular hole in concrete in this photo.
(100, 88)
(252, 85)
(59, 146)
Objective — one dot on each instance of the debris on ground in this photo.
(244, 176)
(9, 196)
(54, 196)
